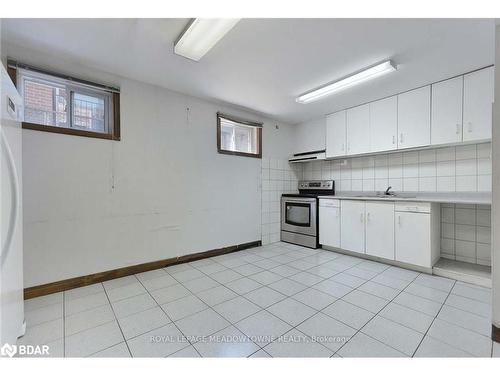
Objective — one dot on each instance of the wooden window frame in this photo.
(114, 126)
(258, 125)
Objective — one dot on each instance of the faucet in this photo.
(388, 192)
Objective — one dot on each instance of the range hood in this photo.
(308, 156)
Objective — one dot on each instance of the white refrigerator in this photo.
(12, 323)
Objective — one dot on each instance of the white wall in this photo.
(163, 191)
(495, 224)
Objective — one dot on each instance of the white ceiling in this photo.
(263, 64)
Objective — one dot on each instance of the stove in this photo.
(299, 212)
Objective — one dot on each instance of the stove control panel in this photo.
(316, 185)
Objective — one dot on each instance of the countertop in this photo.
(460, 198)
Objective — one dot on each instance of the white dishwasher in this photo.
(415, 233)
(329, 222)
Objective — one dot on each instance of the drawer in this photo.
(413, 207)
(329, 203)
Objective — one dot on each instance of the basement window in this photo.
(62, 104)
(238, 137)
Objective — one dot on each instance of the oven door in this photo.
(298, 215)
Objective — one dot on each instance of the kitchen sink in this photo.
(382, 196)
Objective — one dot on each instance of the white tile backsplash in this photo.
(448, 169)
(278, 177)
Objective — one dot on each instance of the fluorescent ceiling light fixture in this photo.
(349, 81)
(201, 34)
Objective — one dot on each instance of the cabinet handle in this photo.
(368, 217)
(393, 139)
(470, 127)
(458, 129)
(399, 219)
(401, 138)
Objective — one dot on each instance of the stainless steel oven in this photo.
(299, 213)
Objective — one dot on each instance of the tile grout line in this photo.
(176, 326)
(263, 309)
(375, 314)
(260, 309)
(117, 322)
(428, 329)
(321, 311)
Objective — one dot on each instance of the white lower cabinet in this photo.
(352, 226)
(380, 229)
(407, 232)
(417, 233)
(329, 222)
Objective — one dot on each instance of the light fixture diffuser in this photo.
(349, 81)
(201, 34)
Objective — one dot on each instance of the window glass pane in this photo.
(243, 139)
(45, 103)
(226, 135)
(58, 102)
(238, 137)
(88, 112)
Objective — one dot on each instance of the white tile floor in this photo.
(278, 300)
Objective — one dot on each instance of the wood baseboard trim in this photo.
(76, 282)
(495, 333)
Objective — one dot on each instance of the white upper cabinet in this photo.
(310, 136)
(383, 124)
(358, 130)
(414, 118)
(446, 120)
(478, 99)
(448, 112)
(336, 134)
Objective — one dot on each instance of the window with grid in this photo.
(238, 137)
(63, 105)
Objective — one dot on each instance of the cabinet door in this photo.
(358, 130)
(380, 229)
(478, 99)
(446, 120)
(352, 226)
(413, 238)
(329, 223)
(336, 134)
(310, 136)
(384, 124)
(414, 118)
